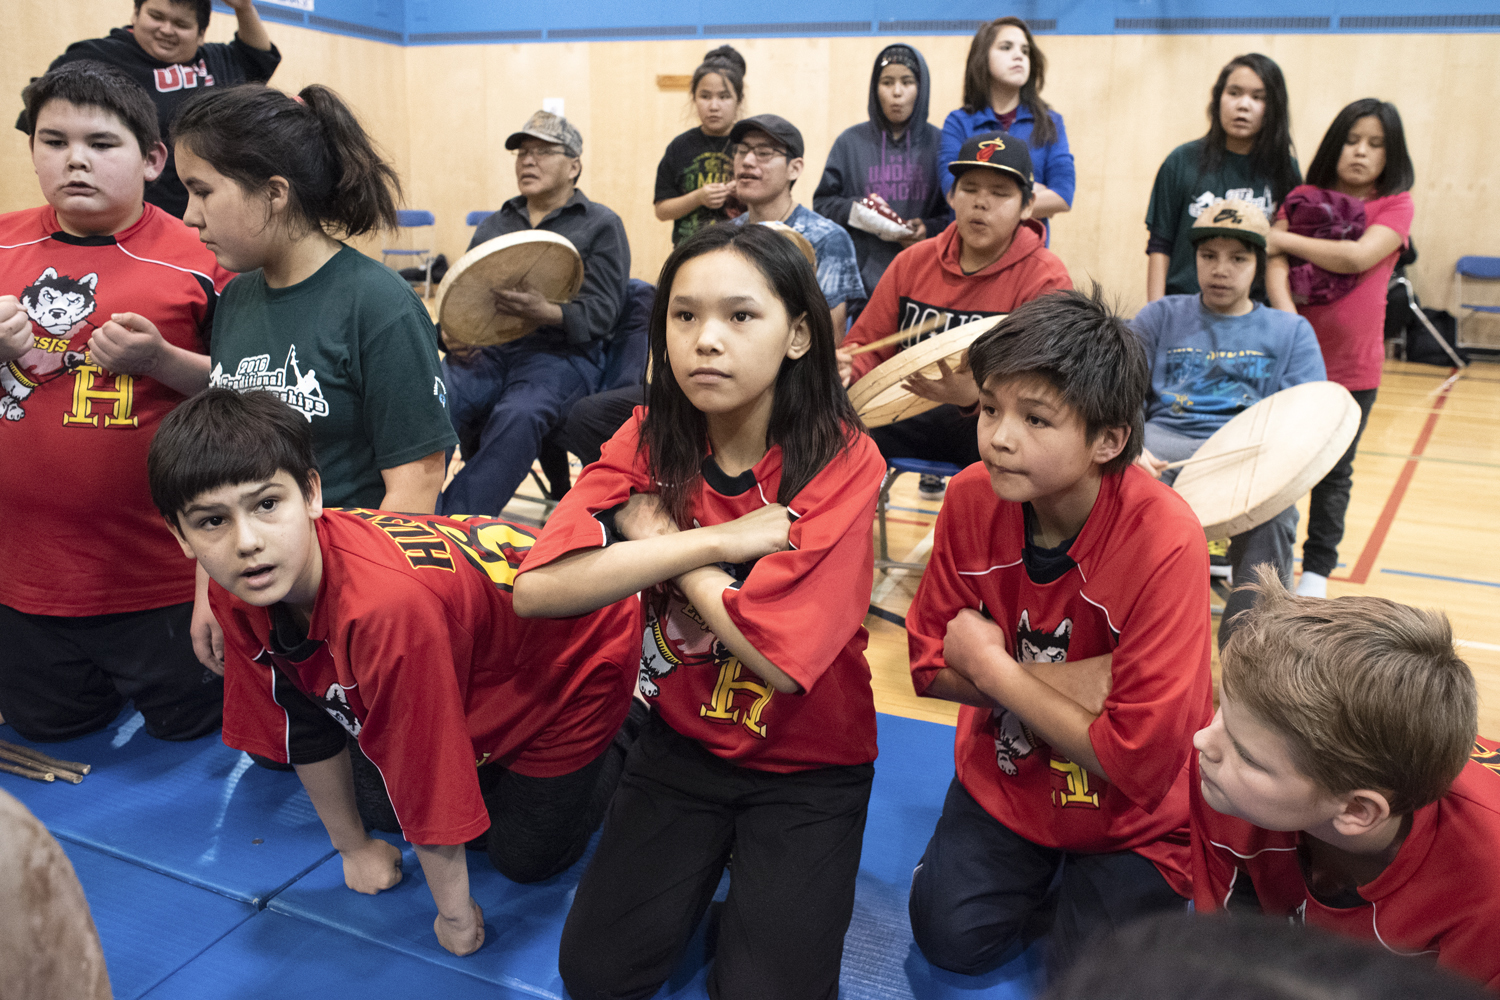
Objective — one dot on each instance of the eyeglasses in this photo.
(537, 155)
(760, 154)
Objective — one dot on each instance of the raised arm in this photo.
(251, 29)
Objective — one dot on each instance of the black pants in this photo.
(65, 677)
(1330, 499)
(594, 419)
(980, 888)
(679, 815)
(943, 434)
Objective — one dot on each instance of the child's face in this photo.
(233, 223)
(1247, 771)
(1010, 57)
(715, 103)
(763, 168)
(167, 31)
(1034, 444)
(897, 88)
(1242, 105)
(988, 205)
(1226, 271)
(727, 334)
(1362, 160)
(90, 167)
(257, 540)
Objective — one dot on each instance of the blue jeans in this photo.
(503, 400)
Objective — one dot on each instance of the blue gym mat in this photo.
(524, 923)
(197, 811)
(150, 925)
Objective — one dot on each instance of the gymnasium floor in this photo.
(209, 877)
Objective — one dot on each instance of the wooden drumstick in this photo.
(896, 338)
(1209, 458)
(27, 772)
(35, 758)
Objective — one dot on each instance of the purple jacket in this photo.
(1324, 215)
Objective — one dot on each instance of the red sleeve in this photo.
(414, 729)
(942, 594)
(1051, 276)
(801, 607)
(881, 318)
(1395, 213)
(603, 486)
(1162, 690)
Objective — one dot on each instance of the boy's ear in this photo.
(1363, 810)
(1108, 443)
(176, 529)
(1028, 204)
(801, 338)
(314, 494)
(156, 161)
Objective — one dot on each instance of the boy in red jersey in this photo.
(1344, 775)
(398, 631)
(1057, 549)
(990, 260)
(105, 305)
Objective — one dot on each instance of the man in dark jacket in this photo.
(163, 50)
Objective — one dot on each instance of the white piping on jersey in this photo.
(1107, 620)
(387, 785)
(762, 493)
(1263, 850)
(175, 267)
(982, 572)
(287, 737)
(1374, 926)
(31, 243)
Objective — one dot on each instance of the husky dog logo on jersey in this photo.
(1013, 741)
(59, 305)
(336, 704)
(672, 639)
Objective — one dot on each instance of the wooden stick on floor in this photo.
(27, 772)
(35, 758)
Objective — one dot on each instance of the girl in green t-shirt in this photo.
(695, 179)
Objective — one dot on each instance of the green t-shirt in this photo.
(353, 350)
(1181, 192)
(692, 160)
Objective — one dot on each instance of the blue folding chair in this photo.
(475, 218)
(897, 466)
(1476, 269)
(414, 218)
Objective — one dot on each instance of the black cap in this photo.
(997, 151)
(776, 127)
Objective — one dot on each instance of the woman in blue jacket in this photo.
(1002, 92)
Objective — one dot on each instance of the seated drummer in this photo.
(504, 399)
(989, 260)
(1215, 354)
(398, 631)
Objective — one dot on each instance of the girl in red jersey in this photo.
(741, 501)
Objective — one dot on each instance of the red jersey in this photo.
(83, 537)
(413, 647)
(926, 282)
(1138, 590)
(1440, 896)
(804, 609)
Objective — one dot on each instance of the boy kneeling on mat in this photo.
(396, 630)
(1343, 774)
(1069, 811)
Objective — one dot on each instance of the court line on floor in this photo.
(907, 520)
(1491, 646)
(1438, 576)
(1366, 561)
(1433, 458)
(889, 616)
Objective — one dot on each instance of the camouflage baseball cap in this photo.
(550, 128)
(1236, 219)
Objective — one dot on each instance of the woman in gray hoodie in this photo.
(892, 156)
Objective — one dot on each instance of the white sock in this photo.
(1312, 585)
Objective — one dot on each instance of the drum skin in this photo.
(879, 397)
(48, 946)
(544, 262)
(1268, 457)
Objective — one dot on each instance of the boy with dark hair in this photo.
(1344, 774)
(105, 307)
(398, 631)
(163, 52)
(1216, 354)
(1055, 550)
(990, 260)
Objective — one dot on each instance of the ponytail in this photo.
(338, 181)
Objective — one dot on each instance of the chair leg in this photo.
(880, 505)
(1458, 362)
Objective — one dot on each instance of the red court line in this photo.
(1366, 562)
(906, 520)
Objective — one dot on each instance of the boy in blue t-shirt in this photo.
(1215, 354)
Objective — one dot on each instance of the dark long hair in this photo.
(977, 79)
(1398, 174)
(339, 182)
(729, 64)
(811, 416)
(1271, 155)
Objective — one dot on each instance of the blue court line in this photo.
(1436, 576)
(889, 616)
(913, 510)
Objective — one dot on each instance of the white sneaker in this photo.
(1312, 585)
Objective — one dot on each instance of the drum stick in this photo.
(27, 772)
(1210, 458)
(895, 338)
(37, 758)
